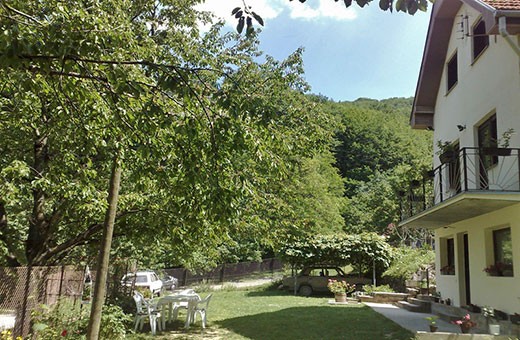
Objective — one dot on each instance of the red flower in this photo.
(64, 332)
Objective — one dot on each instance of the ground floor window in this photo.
(447, 256)
(502, 254)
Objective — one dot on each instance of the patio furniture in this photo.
(201, 308)
(170, 305)
(146, 311)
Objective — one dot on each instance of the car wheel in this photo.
(305, 290)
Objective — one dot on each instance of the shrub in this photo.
(369, 289)
(7, 335)
(71, 320)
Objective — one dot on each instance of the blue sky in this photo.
(349, 53)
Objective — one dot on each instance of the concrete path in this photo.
(246, 283)
(410, 320)
(6, 321)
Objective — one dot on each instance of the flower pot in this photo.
(433, 328)
(464, 328)
(495, 151)
(448, 156)
(340, 297)
(494, 329)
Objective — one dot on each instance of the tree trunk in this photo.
(10, 257)
(37, 223)
(104, 253)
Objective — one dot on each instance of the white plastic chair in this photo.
(146, 311)
(201, 308)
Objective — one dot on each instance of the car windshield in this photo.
(327, 271)
(138, 278)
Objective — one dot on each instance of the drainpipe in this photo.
(502, 29)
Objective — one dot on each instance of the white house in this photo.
(468, 92)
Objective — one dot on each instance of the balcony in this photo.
(467, 184)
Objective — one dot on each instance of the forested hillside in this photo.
(377, 155)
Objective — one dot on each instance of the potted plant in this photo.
(465, 323)
(340, 289)
(502, 145)
(433, 323)
(499, 269)
(448, 151)
(489, 314)
(436, 297)
(448, 270)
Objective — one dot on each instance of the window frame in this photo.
(479, 39)
(452, 70)
(498, 250)
(489, 125)
(447, 256)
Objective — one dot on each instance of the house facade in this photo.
(468, 92)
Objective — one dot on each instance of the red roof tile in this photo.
(508, 5)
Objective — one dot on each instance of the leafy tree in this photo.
(131, 114)
(362, 251)
(407, 261)
(378, 154)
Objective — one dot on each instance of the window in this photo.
(503, 253)
(480, 38)
(452, 72)
(487, 138)
(448, 256)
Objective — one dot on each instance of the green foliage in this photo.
(432, 319)
(369, 289)
(69, 319)
(406, 6)
(359, 250)
(408, 261)
(210, 140)
(378, 154)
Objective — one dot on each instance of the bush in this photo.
(71, 320)
(369, 289)
(7, 335)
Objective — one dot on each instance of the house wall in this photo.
(499, 292)
(489, 84)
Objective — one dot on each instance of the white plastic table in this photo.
(183, 299)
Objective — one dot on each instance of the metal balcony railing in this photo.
(469, 170)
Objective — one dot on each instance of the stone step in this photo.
(425, 297)
(424, 304)
(412, 307)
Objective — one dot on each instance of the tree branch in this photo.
(25, 15)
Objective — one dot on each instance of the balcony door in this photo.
(487, 138)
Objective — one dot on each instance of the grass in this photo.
(269, 314)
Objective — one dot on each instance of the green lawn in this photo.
(267, 314)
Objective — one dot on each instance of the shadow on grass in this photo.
(327, 322)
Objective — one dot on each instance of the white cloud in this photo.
(267, 9)
(327, 9)
(270, 9)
